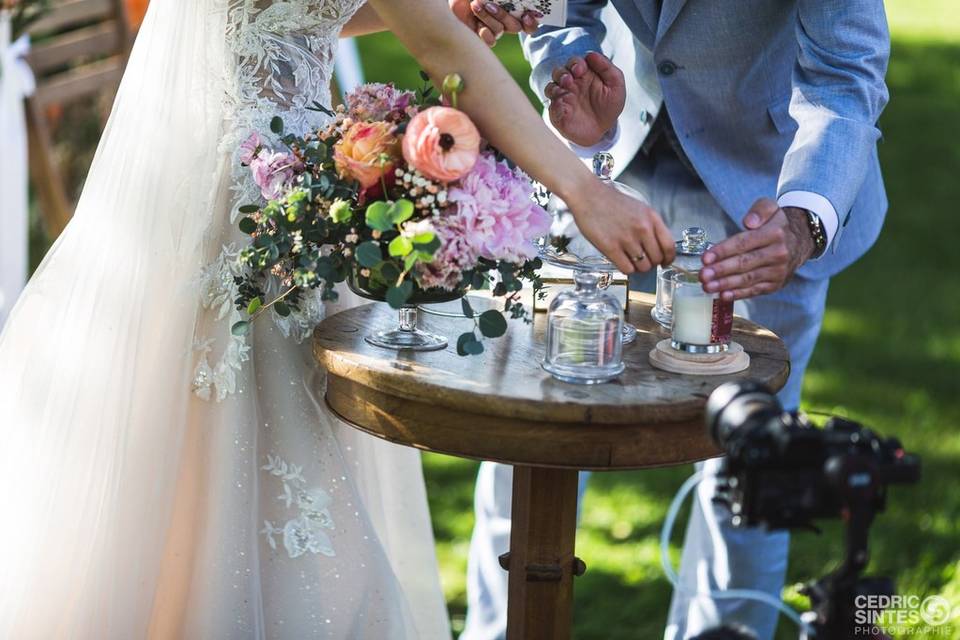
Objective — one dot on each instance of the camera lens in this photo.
(732, 405)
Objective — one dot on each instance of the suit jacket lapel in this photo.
(671, 9)
(649, 12)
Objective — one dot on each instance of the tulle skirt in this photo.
(131, 507)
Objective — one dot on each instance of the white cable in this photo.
(726, 594)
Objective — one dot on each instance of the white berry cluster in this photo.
(427, 196)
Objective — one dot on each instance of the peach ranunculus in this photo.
(442, 143)
(361, 151)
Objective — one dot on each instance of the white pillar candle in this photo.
(692, 316)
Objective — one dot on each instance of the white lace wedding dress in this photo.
(160, 478)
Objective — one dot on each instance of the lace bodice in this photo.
(283, 54)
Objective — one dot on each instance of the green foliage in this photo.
(368, 254)
(398, 295)
(492, 324)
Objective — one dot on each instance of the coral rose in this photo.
(360, 153)
(442, 143)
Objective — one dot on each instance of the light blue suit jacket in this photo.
(766, 96)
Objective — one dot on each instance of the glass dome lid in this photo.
(565, 246)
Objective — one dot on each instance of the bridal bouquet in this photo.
(400, 197)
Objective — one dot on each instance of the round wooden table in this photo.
(502, 406)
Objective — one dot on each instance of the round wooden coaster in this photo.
(665, 357)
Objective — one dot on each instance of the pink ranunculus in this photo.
(498, 216)
(442, 143)
(361, 151)
(250, 148)
(273, 172)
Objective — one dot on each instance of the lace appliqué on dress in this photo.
(283, 54)
(218, 291)
(304, 533)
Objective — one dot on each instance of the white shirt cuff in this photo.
(609, 139)
(817, 204)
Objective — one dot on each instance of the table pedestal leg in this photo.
(541, 561)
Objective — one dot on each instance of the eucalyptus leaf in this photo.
(401, 211)
(276, 125)
(390, 272)
(425, 237)
(282, 309)
(247, 225)
(467, 309)
(428, 248)
(254, 305)
(462, 342)
(400, 247)
(369, 255)
(249, 208)
(378, 216)
(492, 324)
(241, 328)
(473, 348)
(398, 296)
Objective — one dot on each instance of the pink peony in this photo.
(376, 101)
(442, 143)
(456, 255)
(273, 172)
(498, 216)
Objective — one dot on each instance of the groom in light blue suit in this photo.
(755, 120)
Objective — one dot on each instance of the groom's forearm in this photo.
(363, 22)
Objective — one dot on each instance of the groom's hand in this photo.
(586, 98)
(761, 259)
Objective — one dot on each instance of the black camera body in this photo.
(784, 473)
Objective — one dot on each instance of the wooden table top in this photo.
(502, 405)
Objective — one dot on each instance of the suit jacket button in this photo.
(667, 67)
(644, 117)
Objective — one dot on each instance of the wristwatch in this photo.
(818, 233)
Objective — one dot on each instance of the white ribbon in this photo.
(16, 83)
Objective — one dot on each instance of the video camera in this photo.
(782, 472)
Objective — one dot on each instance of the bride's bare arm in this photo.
(624, 230)
(363, 22)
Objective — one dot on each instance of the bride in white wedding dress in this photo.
(161, 478)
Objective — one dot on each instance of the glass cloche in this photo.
(567, 248)
(585, 327)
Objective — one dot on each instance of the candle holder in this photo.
(700, 333)
(690, 249)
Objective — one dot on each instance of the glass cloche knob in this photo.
(694, 240)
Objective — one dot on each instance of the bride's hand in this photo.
(630, 233)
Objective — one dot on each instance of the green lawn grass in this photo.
(889, 356)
